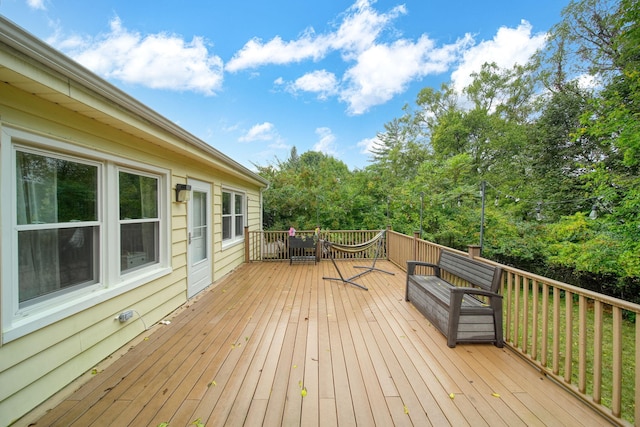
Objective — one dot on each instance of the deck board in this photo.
(242, 352)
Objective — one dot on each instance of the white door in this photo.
(199, 237)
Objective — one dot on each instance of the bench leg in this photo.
(497, 319)
(455, 302)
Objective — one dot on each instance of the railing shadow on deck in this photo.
(585, 341)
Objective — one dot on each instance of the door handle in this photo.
(189, 237)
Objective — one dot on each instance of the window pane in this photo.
(238, 204)
(56, 260)
(138, 245)
(226, 227)
(226, 203)
(199, 235)
(138, 196)
(239, 225)
(199, 210)
(53, 190)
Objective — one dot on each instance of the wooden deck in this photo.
(275, 344)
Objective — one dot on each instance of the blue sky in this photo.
(255, 78)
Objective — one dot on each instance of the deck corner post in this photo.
(416, 237)
(474, 251)
(246, 244)
(386, 241)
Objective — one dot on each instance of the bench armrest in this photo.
(455, 308)
(455, 302)
(411, 267)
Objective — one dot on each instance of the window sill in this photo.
(231, 243)
(58, 310)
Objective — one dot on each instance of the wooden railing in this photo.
(583, 340)
(274, 245)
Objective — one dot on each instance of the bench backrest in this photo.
(298, 242)
(476, 273)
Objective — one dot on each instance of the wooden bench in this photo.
(302, 249)
(457, 311)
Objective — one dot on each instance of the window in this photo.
(232, 216)
(57, 225)
(78, 228)
(139, 220)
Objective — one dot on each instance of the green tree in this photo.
(604, 36)
(400, 148)
(549, 147)
(307, 190)
(559, 158)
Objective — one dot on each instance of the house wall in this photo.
(37, 364)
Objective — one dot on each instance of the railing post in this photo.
(246, 243)
(416, 236)
(386, 242)
(475, 251)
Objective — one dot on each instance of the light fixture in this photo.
(183, 192)
(594, 212)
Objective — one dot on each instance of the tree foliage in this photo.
(556, 143)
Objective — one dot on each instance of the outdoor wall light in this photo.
(183, 192)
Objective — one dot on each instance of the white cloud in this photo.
(385, 70)
(254, 53)
(321, 82)
(327, 142)
(159, 61)
(359, 29)
(378, 71)
(279, 144)
(377, 63)
(508, 47)
(269, 143)
(260, 132)
(36, 4)
(368, 144)
(588, 82)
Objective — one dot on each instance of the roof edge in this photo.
(22, 41)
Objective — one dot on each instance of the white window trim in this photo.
(15, 322)
(235, 240)
(128, 169)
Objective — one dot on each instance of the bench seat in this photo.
(457, 312)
